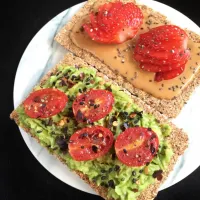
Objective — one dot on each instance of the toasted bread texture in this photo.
(178, 139)
(171, 107)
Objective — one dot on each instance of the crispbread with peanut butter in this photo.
(173, 95)
(178, 140)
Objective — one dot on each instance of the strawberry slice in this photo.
(158, 68)
(114, 23)
(160, 76)
(163, 50)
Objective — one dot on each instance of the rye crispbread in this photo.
(178, 139)
(172, 107)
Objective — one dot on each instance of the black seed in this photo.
(94, 148)
(152, 149)
(73, 77)
(79, 115)
(64, 130)
(149, 129)
(83, 135)
(124, 150)
(87, 83)
(84, 89)
(140, 114)
(133, 173)
(124, 126)
(147, 163)
(141, 171)
(60, 141)
(103, 177)
(109, 88)
(110, 170)
(80, 90)
(39, 131)
(134, 180)
(37, 99)
(126, 113)
(96, 106)
(111, 184)
(81, 103)
(117, 168)
(103, 171)
(82, 147)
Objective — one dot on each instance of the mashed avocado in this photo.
(123, 182)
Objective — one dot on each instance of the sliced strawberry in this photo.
(160, 76)
(158, 68)
(114, 23)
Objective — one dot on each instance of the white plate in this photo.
(43, 53)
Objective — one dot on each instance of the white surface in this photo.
(43, 53)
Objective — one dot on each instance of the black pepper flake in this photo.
(117, 168)
(94, 148)
(84, 89)
(79, 115)
(103, 171)
(124, 150)
(82, 147)
(87, 83)
(149, 129)
(110, 170)
(134, 180)
(61, 142)
(111, 184)
(152, 149)
(141, 171)
(96, 106)
(37, 99)
(83, 135)
(158, 174)
(103, 177)
(147, 163)
(39, 131)
(80, 90)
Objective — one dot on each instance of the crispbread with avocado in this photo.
(129, 182)
(169, 107)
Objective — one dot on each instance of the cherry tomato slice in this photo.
(160, 76)
(45, 103)
(90, 143)
(136, 146)
(93, 105)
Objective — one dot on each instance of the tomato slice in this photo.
(45, 103)
(136, 146)
(160, 76)
(93, 105)
(90, 143)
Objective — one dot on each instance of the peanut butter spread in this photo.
(119, 58)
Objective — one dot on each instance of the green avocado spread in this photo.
(121, 181)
